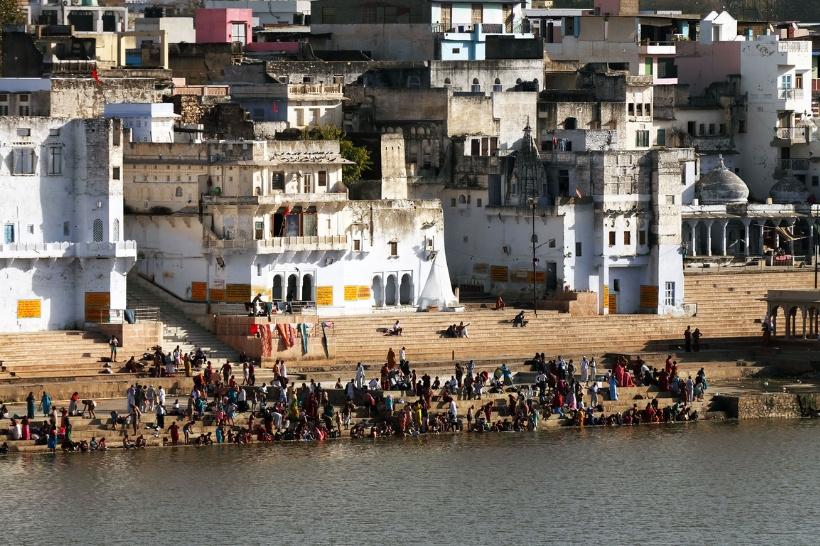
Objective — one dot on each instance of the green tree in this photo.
(359, 155)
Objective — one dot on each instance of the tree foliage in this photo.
(359, 155)
(10, 14)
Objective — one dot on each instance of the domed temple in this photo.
(720, 221)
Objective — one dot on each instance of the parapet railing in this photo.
(145, 313)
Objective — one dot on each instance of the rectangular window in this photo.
(669, 293)
(22, 97)
(307, 186)
(642, 138)
(316, 116)
(24, 110)
(66, 229)
(642, 238)
(640, 109)
(647, 66)
(322, 179)
(616, 285)
(690, 128)
(277, 181)
(578, 250)
(611, 238)
(8, 234)
(259, 230)
(786, 82)
(798, 81)
(647, 109)
(702, 129)
(394, 248)
(741, 126)
(485, 146)
(670, 199)
(631, 109)
(357, 245)
(661, 137)
(300, 117)
(479, 204)
(493, 145)
(115, 173)
(238, 32)
(711, 128)
(815, 180)
(722, 129)
(453, 202)
(475, 146)
(627, 238)
(4, 109)
(55, 160)
(23, 131)
(23, 161)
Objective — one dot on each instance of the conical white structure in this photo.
(437, 290)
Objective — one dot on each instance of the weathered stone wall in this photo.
(780, 405)
(86, 98)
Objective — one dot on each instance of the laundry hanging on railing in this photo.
(287, 333)
(267, 339)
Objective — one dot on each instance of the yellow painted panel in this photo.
(28, 309)
(499, 273)
(364, 293)
(351, 293)
(198, 291)
(238, 293)
(324, 295)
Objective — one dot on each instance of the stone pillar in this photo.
(803, 312)
(693, 238)
(791, 241)
(762, 236)
(776, 234)
(724, 224)
(709, 237)
(746, 223)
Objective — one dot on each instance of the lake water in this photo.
(713, 483)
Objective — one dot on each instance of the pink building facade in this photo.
(223, 25)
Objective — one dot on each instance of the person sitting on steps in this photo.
(519, 320)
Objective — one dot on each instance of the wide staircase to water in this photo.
(178, 329)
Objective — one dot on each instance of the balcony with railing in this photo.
(279, 245)
(66, 249)
(791, 135)
(790, 93)
(657, 48)
(794, 164)
(297, 90)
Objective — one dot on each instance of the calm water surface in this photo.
(709, 483)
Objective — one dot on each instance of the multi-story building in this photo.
(774, 133)
(417, 29)
(63, 257)
(221, 221)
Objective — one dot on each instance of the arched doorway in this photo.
(406, 290)
(307, 288)
(293, 281)
(277, 287)
(391, 291)
(377, 291)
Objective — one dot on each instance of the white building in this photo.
(63, 259)
(773, 137)
(619, 236)
(148, 122)
(223, 221)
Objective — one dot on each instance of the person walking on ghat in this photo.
(687, 339)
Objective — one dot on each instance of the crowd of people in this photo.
(224, 409)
